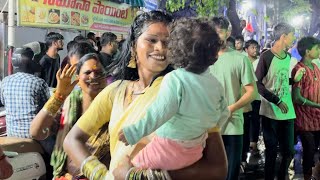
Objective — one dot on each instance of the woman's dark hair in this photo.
(86, 58)
(141, 21)
(193, 45)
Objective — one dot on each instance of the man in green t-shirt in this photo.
(234, 71)
(276, 110)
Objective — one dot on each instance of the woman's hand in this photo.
(5, 169)
(122, 138)
(64, 78)
(121, 171)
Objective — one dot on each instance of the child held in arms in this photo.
(189, 104)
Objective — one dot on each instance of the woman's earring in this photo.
(132, 62)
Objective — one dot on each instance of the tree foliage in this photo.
(203, 7)
(297, 7)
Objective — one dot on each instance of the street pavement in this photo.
(255, 167)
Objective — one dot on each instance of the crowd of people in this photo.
(177, 99)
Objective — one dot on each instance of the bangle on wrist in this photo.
(92, 168)
(59, 96)
(95, 174)
(89, 158)
(52, 106)
(128, 173)
(304, 101)
(166, 175)
(279, 102)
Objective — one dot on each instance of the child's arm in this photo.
(161, 110)
(299, 99)
(298, 76)
(296, 89)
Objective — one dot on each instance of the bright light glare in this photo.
(247, 5)
(297, 21)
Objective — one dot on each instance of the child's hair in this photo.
(220, 22)
(193, 45)
(307, 43)
(250, 42)
(280, 29)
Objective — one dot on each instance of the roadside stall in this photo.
(86, 15)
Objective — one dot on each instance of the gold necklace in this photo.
(129, 97)
(314, 75)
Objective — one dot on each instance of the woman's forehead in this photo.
(157, 28)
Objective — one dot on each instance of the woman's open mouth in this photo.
(158, 57)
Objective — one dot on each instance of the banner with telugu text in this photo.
(94, 15)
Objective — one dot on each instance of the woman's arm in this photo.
(44, 120)
(41, 125)
(74, 145)
(5, 167)
(213, 164)
(97, 115)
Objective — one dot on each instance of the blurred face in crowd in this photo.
(59, 44)
(239, 45)
(114, 46)
(289, 39)
(252, 51)
(223, 33)
(314, 52)
(74, 59)
(91, 77)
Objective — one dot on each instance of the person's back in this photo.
(241, 70)
(50, 67)
(23, 96)
(198, 105)
(234, 71)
